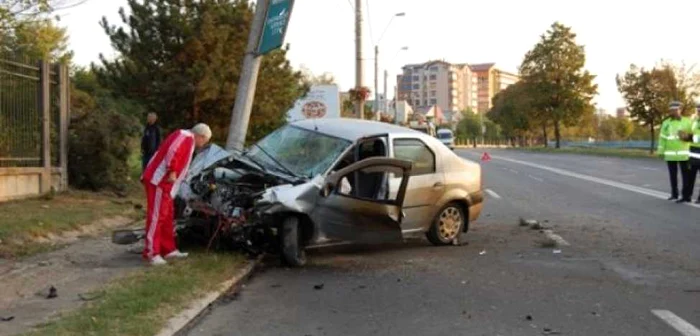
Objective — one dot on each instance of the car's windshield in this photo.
(444, 135)
(302, 152)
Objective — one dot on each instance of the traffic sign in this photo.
(275, 27)
(486, 157)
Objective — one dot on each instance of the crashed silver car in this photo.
(320, 181)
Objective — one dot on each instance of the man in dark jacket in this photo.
(150, 140)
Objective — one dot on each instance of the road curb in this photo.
(197, 308)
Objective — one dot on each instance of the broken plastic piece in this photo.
(53, 293)
(556, 251)
(482, 252)
(6, 319)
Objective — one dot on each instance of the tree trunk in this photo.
(557, 134)
(651, 129)
(474, 142)
(544, 134)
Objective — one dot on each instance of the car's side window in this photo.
(416, 151)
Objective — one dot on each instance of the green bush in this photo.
(100, 146)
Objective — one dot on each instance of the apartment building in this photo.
(622, 113)
(452, 87)
(438, 83)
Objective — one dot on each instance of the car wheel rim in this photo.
(449, 223)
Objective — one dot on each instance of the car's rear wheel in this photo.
(293, 253)
(447, 225)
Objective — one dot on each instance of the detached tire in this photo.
(447, 225)
(293, 253)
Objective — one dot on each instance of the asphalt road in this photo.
(631, 266)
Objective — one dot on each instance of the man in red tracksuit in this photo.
(161, 178)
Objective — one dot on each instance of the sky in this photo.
(321, 34)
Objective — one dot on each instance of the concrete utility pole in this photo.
(376, 83)
(247, 83)
(385, 101)
(359, 105)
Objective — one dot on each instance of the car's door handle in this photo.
(438, 185)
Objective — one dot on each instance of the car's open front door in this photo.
(343, 214)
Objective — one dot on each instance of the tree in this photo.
(14, 12)
(513, 111)
(607, 129)
(648, 94)
(560, 87)
(42, 39)
(310, 78)
(469, 127)
(182, 59)
(624, 128)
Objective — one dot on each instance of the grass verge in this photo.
(141, 303)
(607, 152)
(27, 226)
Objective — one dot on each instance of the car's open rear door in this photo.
(343, 215)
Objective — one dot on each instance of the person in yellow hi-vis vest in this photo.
(693, 137)
(675, 151)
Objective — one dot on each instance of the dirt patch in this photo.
(82, 267)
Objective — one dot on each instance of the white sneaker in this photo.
(158, 261)
(176, 254)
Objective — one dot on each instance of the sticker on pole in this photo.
(486, 157)
(275, 27)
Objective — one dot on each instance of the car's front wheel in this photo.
(447, 225)
(293, 253)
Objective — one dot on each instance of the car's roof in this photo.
(353, 129)
(444, 130)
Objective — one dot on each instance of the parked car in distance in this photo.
(447, 137)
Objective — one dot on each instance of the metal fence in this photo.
(33, 127)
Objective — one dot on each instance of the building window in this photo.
(433, 101)
(433, 93)
(432, 86)
(425, 103)
(433, 77)
(416, 78)
(416, 86)
(417, 102)
(434, 68)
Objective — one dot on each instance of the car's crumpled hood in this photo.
(203, 160)
(293, 198)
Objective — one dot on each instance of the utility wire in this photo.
(351, 5)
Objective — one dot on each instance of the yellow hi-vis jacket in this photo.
(670, 145)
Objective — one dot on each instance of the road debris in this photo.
(691, 290)
(547, 242)
(528, 222)
(548, 331)
(556, 251)
(6, 319)
(91, 296)
(318, 287)
(53, 293)
(528, 317)
(275, 286)
(482, 252)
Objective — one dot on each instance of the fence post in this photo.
(45, 108)
(64, 87)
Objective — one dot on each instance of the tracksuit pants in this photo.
(673, 167)
(160, 234)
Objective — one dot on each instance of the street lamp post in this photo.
(376, 67)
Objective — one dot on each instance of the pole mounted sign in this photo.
(275, 27)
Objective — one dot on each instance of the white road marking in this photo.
(535, 178)
(513, 171)
(624, 186)
(551, 235)
(685, 328)
(493, 194)
(647, 168)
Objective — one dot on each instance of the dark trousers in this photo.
(144, 160)
(673, 167)
(690, 186)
